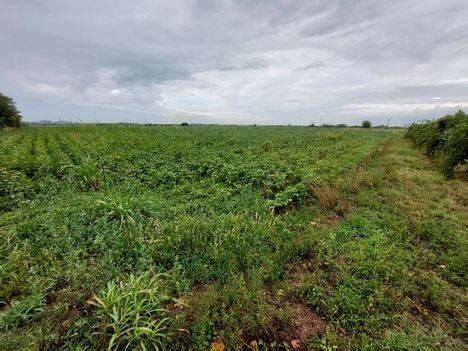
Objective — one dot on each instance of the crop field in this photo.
(225, 237)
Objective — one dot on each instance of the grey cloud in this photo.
(312, 65)
(254, 63)
(445, 91)
(225, 61)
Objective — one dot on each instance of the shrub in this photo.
(446, 136)
(131, 313)
(9, 114)
(366, 124)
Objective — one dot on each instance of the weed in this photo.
(131, 313)
(292, 195)
(21, 311)
(87, 173)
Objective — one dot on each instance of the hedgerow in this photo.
(445, 138)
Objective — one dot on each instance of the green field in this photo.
(228, 237)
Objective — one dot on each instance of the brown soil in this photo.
(305, 324)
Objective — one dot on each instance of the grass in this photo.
(211, 237)
(131, 314)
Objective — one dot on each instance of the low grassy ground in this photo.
(228, 237)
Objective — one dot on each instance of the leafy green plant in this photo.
(15, 188)
(131, 314)
(293, 194)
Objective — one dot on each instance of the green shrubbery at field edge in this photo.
(446, 137)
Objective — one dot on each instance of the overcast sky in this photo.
(268, 62)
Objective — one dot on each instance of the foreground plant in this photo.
(131, 313)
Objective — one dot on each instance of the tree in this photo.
(366, 124)
(9, 114)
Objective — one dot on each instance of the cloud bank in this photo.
(268, 62)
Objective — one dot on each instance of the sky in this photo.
(235, 62)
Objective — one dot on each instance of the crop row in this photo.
(162, 158)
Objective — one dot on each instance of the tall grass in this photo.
(131, 313)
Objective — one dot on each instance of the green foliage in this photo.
(446, 137)
(87, 173)
(291, 195)
(9, 114)
(366, 124)
(21, 311)
(394, 259)
(131, 313)
(84, 205)
(232, 216)
(15, 189)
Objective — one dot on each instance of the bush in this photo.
(9, 114)
(366, 124)
(446, 137)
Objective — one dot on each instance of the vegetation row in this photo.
(445, 139)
